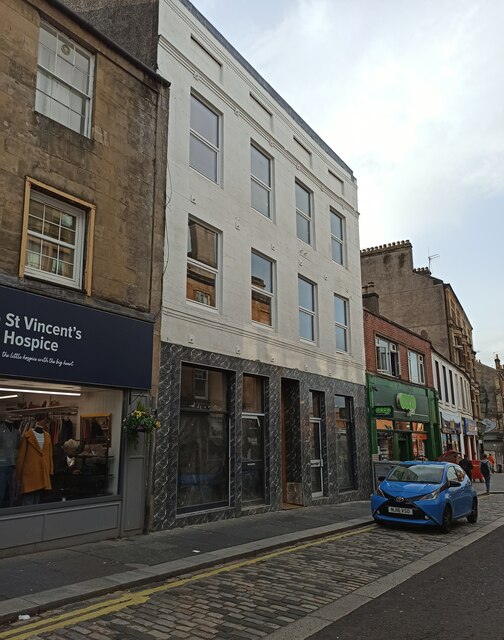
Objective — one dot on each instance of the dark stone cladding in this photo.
(165, 465)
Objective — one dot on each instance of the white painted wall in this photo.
(229, 330)
(462, 404)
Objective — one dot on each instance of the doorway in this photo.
(292, 487)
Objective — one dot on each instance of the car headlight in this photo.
(380, 493)
(430, 496)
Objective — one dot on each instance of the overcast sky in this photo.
(410, 95)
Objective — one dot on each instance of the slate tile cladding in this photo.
(165, 466)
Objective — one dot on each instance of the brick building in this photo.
(82, 194)
(415, 299)
(403, 411)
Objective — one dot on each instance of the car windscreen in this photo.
(431, 474)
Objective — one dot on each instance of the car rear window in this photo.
(417, 473)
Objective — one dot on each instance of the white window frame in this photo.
(54, 78)
(307, 215)
(309, 312)
(336, 240)
(267, 187)
(79, 248)
(416, 367)
(205, 267)
(345, 327)
(264, 292)
(388, 348)
(198, 136)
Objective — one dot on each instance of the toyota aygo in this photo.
(425, 494)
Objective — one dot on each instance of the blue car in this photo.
(425, 494)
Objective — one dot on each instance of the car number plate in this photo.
(403, 510)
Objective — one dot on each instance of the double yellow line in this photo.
(115, 604)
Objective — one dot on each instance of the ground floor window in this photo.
(203, 442)
(401, 440)
(57, 443)
(345, 442)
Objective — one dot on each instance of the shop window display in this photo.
(203, 442)
(54, 449)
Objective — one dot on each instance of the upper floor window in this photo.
(438, 380)
(341, 322)
(64, 80)
(260, 181)
(387, 357)
(303, 213)
(337, 239)
(307, 310)
(262, 289)
(416, 367)
(204, 140)
(54, 237)
(202, 264)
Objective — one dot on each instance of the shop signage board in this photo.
(46, 339)
(383, 411)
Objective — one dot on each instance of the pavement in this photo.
(37, 582)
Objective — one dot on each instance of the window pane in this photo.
(340, 315)
(315, 404)
(262, 273)
(303, 228)
(341, 339)
(306, 297)
(337, 251)
(203, 159)
(260, 199)
(204, 121)
(202, 244)
(306, 326)
(261, 308)
(316, 479)
(303, 200)
(260, 166)
(200, 285)
(336, 226)
(253, 387)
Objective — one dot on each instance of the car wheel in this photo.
(473, 516)
(447, 520)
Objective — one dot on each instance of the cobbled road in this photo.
(255, 600)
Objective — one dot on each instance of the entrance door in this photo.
(252, 459)
(403, 446)
(292, 487)
(317, 478)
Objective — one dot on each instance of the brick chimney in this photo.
(370, 299)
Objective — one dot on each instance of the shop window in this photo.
(58, 445)
(387, 357)
(253, 440)
(260, 181)
(416, 367)
(203, 440)
(64, 80)
(205, 140)
(54, 246)
(262, 289)
(345, 443)
(202, 264)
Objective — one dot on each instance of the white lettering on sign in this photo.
(45, 333)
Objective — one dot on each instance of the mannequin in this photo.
(34, 465)
(9, 442)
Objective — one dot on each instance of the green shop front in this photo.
(404, 420)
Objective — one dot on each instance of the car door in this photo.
(466, 490)
(455, 493)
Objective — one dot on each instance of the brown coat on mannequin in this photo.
(34, 467)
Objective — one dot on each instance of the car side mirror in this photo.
(454, 483)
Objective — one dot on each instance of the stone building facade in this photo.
(262, 386)
(491, 387)
(414, 298)
(82, 195)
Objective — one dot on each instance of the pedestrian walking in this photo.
(466, 465)
(486, 471)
